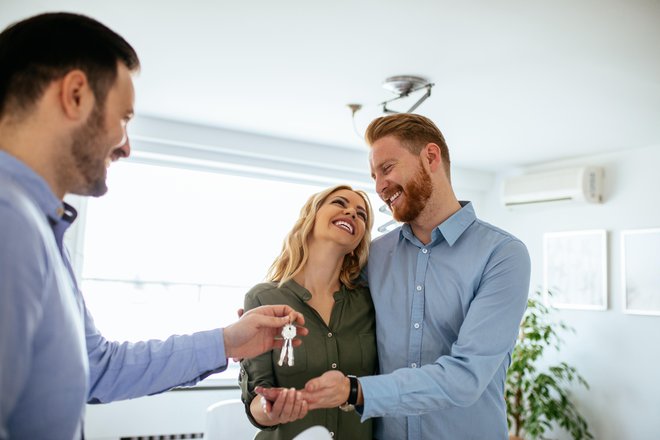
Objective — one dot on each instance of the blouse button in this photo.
(334, 365)
(329, 334)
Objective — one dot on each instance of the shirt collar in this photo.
(451, 229)
(38, 190)
(304, 295)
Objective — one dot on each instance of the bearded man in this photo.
(449, 291)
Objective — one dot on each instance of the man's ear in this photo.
(431, 156)
(76, 96)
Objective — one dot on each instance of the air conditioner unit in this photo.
(582, 184)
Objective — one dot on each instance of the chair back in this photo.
(226, 420)
(314, 433)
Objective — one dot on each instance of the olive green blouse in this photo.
(348, 344)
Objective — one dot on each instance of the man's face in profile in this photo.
(103, 139)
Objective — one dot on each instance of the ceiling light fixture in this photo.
(388, 224)
(402, 86)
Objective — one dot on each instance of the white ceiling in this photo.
(517, 82)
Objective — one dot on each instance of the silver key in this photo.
(290, 355)
(288, 333)
(282, 354)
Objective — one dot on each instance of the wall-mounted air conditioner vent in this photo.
(582, 184)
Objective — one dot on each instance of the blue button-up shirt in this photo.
(447, 317)
(52, 357)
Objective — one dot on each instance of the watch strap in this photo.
(353, 391)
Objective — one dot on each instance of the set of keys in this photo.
(288, 333)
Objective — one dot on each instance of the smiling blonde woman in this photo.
(318, 274)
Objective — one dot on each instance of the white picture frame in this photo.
(575, 269)
(640, 271)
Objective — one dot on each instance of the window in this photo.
(172, 250)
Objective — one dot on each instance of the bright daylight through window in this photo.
(173, 250)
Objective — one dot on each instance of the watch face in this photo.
(347, 407)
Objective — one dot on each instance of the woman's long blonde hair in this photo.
(295, 251)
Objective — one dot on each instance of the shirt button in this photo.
(332, 434)
(416, 325)
(413, 365)
(419, 288)
(333, 365)
(329, 334)
(425, 251)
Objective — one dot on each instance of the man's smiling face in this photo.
(401, 180)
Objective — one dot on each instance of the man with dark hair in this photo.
(449, 292)
(66, 95)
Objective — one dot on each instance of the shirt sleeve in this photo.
(257, 371)
(22, 279)
(484, 343)
(132, 369)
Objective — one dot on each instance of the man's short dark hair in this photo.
(36, 51)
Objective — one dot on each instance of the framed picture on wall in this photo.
(575, 269)
(640, 268)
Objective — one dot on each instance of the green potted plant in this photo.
(536, 399)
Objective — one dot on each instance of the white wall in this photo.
(617, 353)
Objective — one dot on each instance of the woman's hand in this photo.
(282, 405)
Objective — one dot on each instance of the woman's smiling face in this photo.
(342, 218)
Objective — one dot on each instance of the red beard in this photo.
(417, 191)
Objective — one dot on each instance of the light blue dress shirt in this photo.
(447, 317)
(52, 357)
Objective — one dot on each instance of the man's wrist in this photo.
(353, 391)
(225, 346)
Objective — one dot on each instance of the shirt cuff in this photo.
(210, 349)
(221, 345)
(379, 394)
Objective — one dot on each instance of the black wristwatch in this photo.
(350, 403)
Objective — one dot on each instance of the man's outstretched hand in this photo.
(258, 331)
